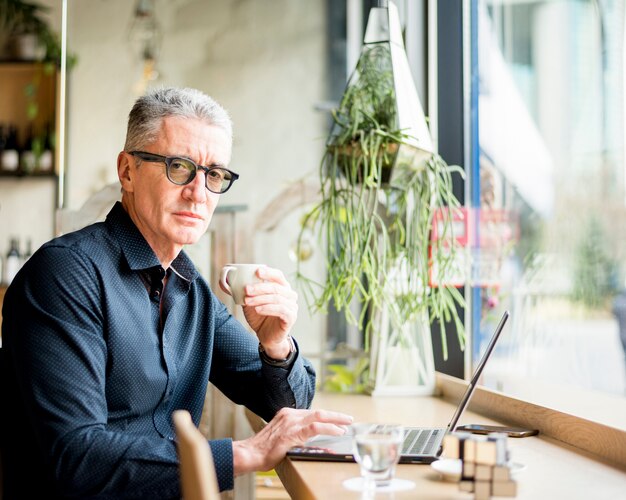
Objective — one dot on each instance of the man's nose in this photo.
(196, 189)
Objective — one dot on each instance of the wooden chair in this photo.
(197, 472)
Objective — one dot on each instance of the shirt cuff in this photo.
(222, 450)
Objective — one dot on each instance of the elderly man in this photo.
(110, 329)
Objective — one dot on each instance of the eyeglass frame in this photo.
(156, 158)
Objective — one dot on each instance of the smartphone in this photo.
(517, 432)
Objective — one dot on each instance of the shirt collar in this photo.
(138, 253)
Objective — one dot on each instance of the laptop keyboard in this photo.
(421, 441)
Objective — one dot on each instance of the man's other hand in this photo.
(287, 429)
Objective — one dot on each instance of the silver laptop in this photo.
(421, 445)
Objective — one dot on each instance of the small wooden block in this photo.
(467, 486)
(486, 452)
(501, 473)
(468, 470)
(469, 450)
(504, 488)
(483, 472)
(502, 452)
(451, 446)
(482, 490)
(463, 437)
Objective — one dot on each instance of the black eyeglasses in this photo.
(181, 171)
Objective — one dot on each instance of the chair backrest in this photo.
(93, 210)
(197, 472)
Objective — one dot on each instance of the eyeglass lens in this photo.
(181, 171)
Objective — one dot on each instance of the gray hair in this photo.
(144, 120)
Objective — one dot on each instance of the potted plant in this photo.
(26, 34)
(381, 190)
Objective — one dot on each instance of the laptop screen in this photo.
(474, 381)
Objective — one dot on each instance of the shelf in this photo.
(23, 62)
(28, 97)
(28, 101)
(24, 175)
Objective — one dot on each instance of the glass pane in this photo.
(553, 202)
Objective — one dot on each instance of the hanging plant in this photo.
(379, 197)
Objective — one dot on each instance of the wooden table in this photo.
(552, 470)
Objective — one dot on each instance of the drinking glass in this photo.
(377, 451)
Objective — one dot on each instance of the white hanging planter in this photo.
(401, 359)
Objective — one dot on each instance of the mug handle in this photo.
(223, 282)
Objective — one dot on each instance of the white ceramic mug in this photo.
(235, 277)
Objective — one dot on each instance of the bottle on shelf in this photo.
(28, 252)
(12, 262)
(3, 140)
(47, 158)
(28, 155)
(10, 159)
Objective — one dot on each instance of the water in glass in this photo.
(377, 450)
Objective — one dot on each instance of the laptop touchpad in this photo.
(338, 444)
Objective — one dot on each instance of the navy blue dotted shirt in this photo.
(92, 372)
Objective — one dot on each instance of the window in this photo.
(552, 218)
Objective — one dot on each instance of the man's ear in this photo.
(125, 172)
